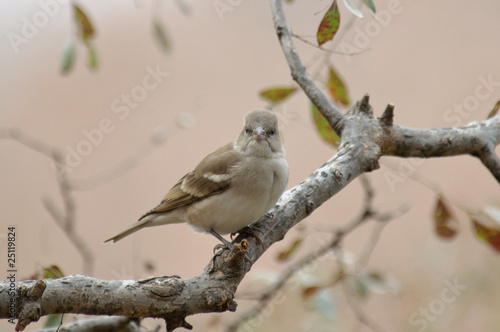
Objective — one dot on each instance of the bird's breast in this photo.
(255, 188)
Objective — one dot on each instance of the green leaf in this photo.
(329, 24)
(360, 286)
(68, 57)
(161, 36)
(370, 5)
(93, 60)
(367, 283)
(325, 304)
(52, 272)
(277, 94)
(84, 26)
(324, 129)
(53, 320)
(337, 88)
(353, 9)
(288, 252)
(184, 6)
(494, 111)
(445, 224)
(377, 283)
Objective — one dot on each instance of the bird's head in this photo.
(260, 135)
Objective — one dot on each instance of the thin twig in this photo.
(60, 323)
(65, 219)
(359, 313)
(112, 173)
(324, 49)
(299, 73)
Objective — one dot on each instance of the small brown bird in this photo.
(231, 187)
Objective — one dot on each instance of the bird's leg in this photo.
(251, 231)
(225, 243)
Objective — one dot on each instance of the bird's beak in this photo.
(259, 134)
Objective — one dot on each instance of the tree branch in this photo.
(478, 139)
(298, 71)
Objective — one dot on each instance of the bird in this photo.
(231, 187)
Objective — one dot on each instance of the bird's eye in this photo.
(271, 132)
(248, 131)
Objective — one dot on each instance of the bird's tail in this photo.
(132, 229)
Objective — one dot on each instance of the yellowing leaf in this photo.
(337, 88)
(490, 235)
(494, 111)
(277, 94)
(324, 129)
(309, 292)
(329, 24)
(445, 224)
(84, 26)
(288, 252)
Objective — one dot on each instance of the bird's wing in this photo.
(211, 177)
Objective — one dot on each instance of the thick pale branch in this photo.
(477, 139)
(441, 142)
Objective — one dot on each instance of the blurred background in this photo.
(433, 60)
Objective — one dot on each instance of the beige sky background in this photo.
(437, 61)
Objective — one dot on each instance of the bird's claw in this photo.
(251, 231)
(222, 246)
